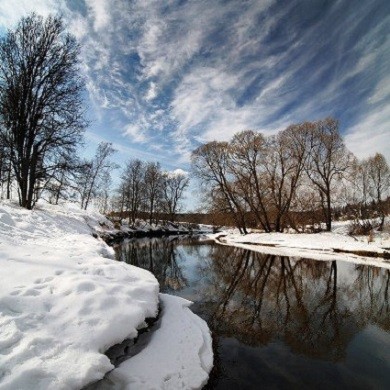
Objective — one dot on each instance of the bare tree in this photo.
(153, 187)
(247, 150)
(61, 184)
(40, 100)
(132, 187)
(6, 172)
(267, 172)
(356, 191)
(379, 183)
(120, 198)
(94, 173)
(328, 162)
(284, 164)
(173, 186)
(103, 198)
(210, 165)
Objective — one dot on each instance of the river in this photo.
(278, 322)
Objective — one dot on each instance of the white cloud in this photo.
(205, 107)
(136, 133)
(170, 39)
(101, 13)
(178, 172)
(78, 26)
(12, 11)
(371, 134)
(152, 91)
(222, 71)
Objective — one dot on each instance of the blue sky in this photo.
(164, 76)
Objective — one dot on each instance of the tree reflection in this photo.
(373, 285)
(315, 307)
(260, 297)
(158, 256)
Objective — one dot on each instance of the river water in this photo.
(278, 322)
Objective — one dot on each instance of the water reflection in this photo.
(315, 309)
(160, 256)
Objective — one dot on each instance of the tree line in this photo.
(271, 182)
(146, 188)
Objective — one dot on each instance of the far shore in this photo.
(328, 246)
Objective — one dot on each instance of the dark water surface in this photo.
(278, 322)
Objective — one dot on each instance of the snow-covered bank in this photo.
(63, 301)
(145, 229)
(179, 355)
(335, 245)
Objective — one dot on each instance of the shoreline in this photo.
(322, 249)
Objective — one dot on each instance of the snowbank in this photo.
(62, 301)
(178, 356)
(335, 245)
(143, 228)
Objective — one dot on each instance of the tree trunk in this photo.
(151, 212)
(382, 223)
(9, 180)
(278, 224)
(328, 213)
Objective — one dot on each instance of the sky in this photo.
(162, 77)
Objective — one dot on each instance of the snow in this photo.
(64, 301)
(179, 355)
(143, 228)
(317, 246)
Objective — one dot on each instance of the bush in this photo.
(360, 228)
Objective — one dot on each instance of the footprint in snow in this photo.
(86, 287)
(15, 292)
(44, 280)
(31, 292)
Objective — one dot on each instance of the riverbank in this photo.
(111, 234)
(335, 245)
(64, 301)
